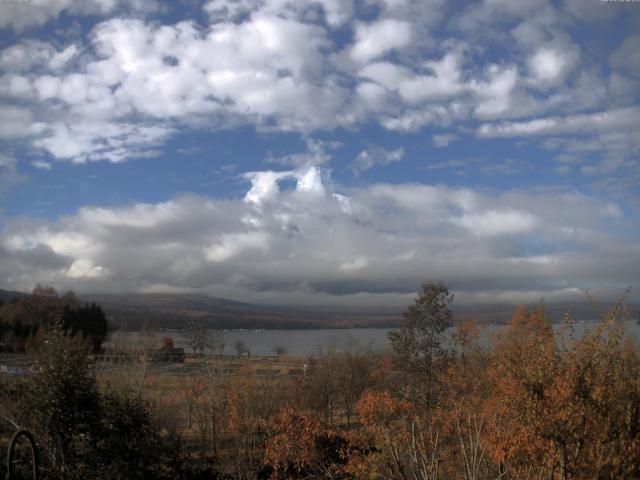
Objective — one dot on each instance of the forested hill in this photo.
(175, 310)
(8, 295)
(167, 310)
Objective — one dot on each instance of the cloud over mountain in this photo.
(289, 245)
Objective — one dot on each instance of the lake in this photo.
(310, 342)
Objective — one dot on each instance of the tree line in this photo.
(25, 320)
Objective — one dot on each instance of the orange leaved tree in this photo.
(570, 409)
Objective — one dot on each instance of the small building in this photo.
(167, 354)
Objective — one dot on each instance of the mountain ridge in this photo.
(132, 310)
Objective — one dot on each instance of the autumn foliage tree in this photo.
(569, 407)
(539, 403)
(405, 444)
(300, 445)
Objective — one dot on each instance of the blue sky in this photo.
(321, 152)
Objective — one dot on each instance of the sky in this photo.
(321, 152)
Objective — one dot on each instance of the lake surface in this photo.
(311, 342)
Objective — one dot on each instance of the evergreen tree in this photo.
(420, 338)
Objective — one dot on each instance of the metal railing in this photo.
(11, 452)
